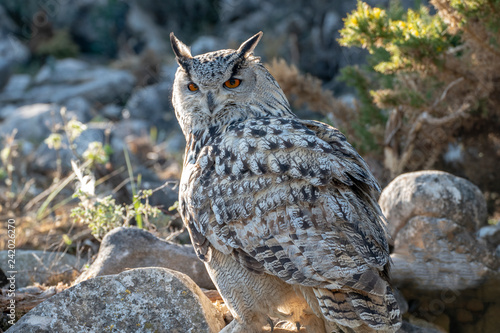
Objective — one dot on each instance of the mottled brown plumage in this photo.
(283, 211)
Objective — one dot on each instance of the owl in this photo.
(282, 211)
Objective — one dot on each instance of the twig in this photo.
(445, 92)
(175, 233)
(45, 193)
(21, 195)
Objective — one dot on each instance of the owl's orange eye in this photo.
(232, 83)
(192, 87)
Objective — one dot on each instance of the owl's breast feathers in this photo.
(290, 198)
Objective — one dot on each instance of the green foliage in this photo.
(104, 214)
(429, 72)
(401, 43)
(409, 40)
(8, 156)
(59, 46)
(101, 216)
(95, 153)
(370, 116)
(54, 141)
(479, 10)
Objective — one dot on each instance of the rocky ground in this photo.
(446, 266)
(107, 65)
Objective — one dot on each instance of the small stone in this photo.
(442, 321)
(125, 248)
(475, 305)
(111, 111)
(417, 325)
(464, 316)
(490, 233)
(42, 267)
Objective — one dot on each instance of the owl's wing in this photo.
(290, 198)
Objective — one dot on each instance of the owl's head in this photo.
(218, 88)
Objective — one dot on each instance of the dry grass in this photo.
(306, 90)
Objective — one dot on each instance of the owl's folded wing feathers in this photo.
(290, 198)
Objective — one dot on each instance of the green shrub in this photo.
(430, 78)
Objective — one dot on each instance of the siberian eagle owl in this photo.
(282, 211)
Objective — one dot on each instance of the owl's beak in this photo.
(210, 102)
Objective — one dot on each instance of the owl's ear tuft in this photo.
(247, 47)
(181, 51)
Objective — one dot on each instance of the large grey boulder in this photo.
(126, 248)
(432, 194)
(440, 263)
(436, 254)
(41, 267)
(138, 300)
(433, 218)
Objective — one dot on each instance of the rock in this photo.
(304, 33)
(204, 44)
(139, 21)
(488, 322)
(151, 102)
(3, 279)
(59, 81)
(175, 142)
(111, 111)
(6, 111)
(41, 267)
(491, 234)
(419, 326)
(437, 253)
(78, 108)
(433, 194)
(4, 72)
(464, 316)
(35, 122)
(16, 86)
(125, 130)
(138, 300)
(443, 269)
(125, 248)
(12, 51)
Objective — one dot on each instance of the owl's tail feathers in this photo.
(359, 311)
